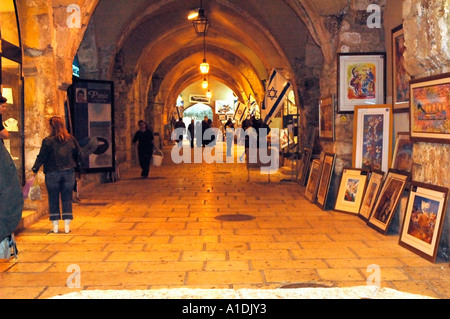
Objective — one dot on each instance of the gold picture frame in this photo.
(351, 190)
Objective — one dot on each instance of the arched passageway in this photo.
(150, 51)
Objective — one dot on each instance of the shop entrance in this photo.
(12, 83)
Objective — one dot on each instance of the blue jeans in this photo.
(60, 184)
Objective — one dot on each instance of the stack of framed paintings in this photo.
(325, 179)
(387, 201)
(423, 223)
(351, 190)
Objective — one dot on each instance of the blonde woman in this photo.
(59, 154)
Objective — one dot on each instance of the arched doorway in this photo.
(197, 112)
(12, 83)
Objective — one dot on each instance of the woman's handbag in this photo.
(35, 191)
(26, 188)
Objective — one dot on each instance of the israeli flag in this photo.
(276, 92)
(241, 112)
(253, 107)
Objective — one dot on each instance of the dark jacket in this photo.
(11, 196)
(145, 141)
(57, 156)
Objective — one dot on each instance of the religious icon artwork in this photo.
(360, 80)
(430, 109)
(424, 217)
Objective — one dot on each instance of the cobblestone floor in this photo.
(162, 232)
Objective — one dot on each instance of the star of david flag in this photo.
(253, 107)
(276, 92)
(241, 112)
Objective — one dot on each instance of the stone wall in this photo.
(426, 28)
(427, 39)
(349, 32)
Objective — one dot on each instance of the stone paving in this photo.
(162, 232)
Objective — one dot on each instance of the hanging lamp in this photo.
(204, 66)
(201, 23)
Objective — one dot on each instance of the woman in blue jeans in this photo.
(59, 154)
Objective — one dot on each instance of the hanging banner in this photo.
(253, 107)
(276, 92)
(92, 116)
(241, 112)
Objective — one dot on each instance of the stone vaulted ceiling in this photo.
(245, 41)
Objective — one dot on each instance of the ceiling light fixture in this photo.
(204, 83)
(193, 14)
(204, 66)
(201, 23)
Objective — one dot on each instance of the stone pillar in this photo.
(349, 32)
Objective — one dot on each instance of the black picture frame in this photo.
(92, 123)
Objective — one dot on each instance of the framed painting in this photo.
(371, 194)
(311, 186)
(361, 80)
(372, 137)
(430, 109)
(402, 158)
(198, 98)
(423, 223)
(400, 77)
(351, 190)
(326, 118)
(325, 179)
(304, 166)
(386, 204)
